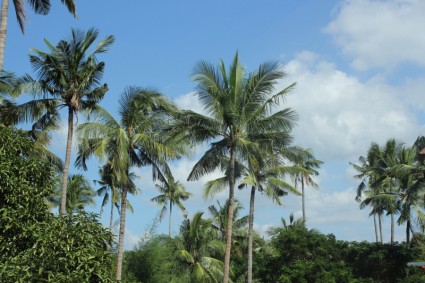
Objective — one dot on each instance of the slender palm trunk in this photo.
(408, 233)
(392, 228)
(230, 218)
(112, 213)
(121, 235)
(376, 227)
(250, 234)
(303, 199)
(67, 160)
(380, 228)
(3, 30)
(169, 223)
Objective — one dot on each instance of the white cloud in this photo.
(380, 33)
(190, 101)
(340, 115)
(130, 240)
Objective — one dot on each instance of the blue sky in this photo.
(358, 64)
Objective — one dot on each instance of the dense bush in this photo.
(154, 261)
(35, 245)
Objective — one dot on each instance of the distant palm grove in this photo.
(46, 234)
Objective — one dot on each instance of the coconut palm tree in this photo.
(109, 190)
(268, 178)
(220, 215)
(197, 249)
(236, 103)
(172, 193)
(79, 194)
(308, 162)
(411, 192)
(68, 77)
(39, 6)
(131, 142)
(369, 175)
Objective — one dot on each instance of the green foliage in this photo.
(153, 261)
(382, 263)
(303, 255)
(35, 245)
(75, 248)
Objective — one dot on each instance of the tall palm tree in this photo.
(369, 176)
(39, 6)
(308, 162)
(70, 74)
(172, 193)
(268, 179)
(235, 104)
(198, 248)
(411, 191)
(131, 142)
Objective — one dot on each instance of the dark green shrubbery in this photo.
(35, 245)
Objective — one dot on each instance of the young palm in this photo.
(109, 190)
(39, 6)
(70, 74)
(131, 142)
(198, 248)
(172, 193)
(235, 104)
(308, 162)
(220, 216)
(79, 194)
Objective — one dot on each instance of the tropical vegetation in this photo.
(246, 129)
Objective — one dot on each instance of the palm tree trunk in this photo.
(392, 228)
(376, 227)
(303, 199)
(3, 30)
(230, 217)
(169, 223)
(112, 213)
(408, 233)
(380, 228)
(67, 160)
(121, 235)
(250, 234)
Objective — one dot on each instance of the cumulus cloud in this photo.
(380, 33)
(341, 115)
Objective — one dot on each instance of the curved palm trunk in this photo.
(380, 228)
(392, 228)
(121, 235)
(376, 227)
(169, 223)
(67, 160)
(3, 30)
(250, 234)
(230, 217)
(303, 199)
